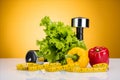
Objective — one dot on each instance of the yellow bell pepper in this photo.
(77, 56)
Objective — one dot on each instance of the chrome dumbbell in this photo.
(80, 23)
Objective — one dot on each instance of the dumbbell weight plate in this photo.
(31, 56)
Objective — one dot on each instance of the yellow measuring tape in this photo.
(53, 67)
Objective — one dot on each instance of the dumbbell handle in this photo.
(79, 33)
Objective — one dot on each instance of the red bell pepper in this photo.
(98, 55)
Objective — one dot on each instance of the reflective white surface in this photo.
(8, 72)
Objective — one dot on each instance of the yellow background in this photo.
(19, 23)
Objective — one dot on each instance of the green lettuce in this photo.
(59, 40)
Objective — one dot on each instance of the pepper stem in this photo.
(74, 57)
(97, 50)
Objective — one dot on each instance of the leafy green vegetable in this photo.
(59, 39)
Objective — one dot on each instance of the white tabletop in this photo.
(8, 72)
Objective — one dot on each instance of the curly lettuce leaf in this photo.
(59, 39)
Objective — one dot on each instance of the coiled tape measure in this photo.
(52, 67)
